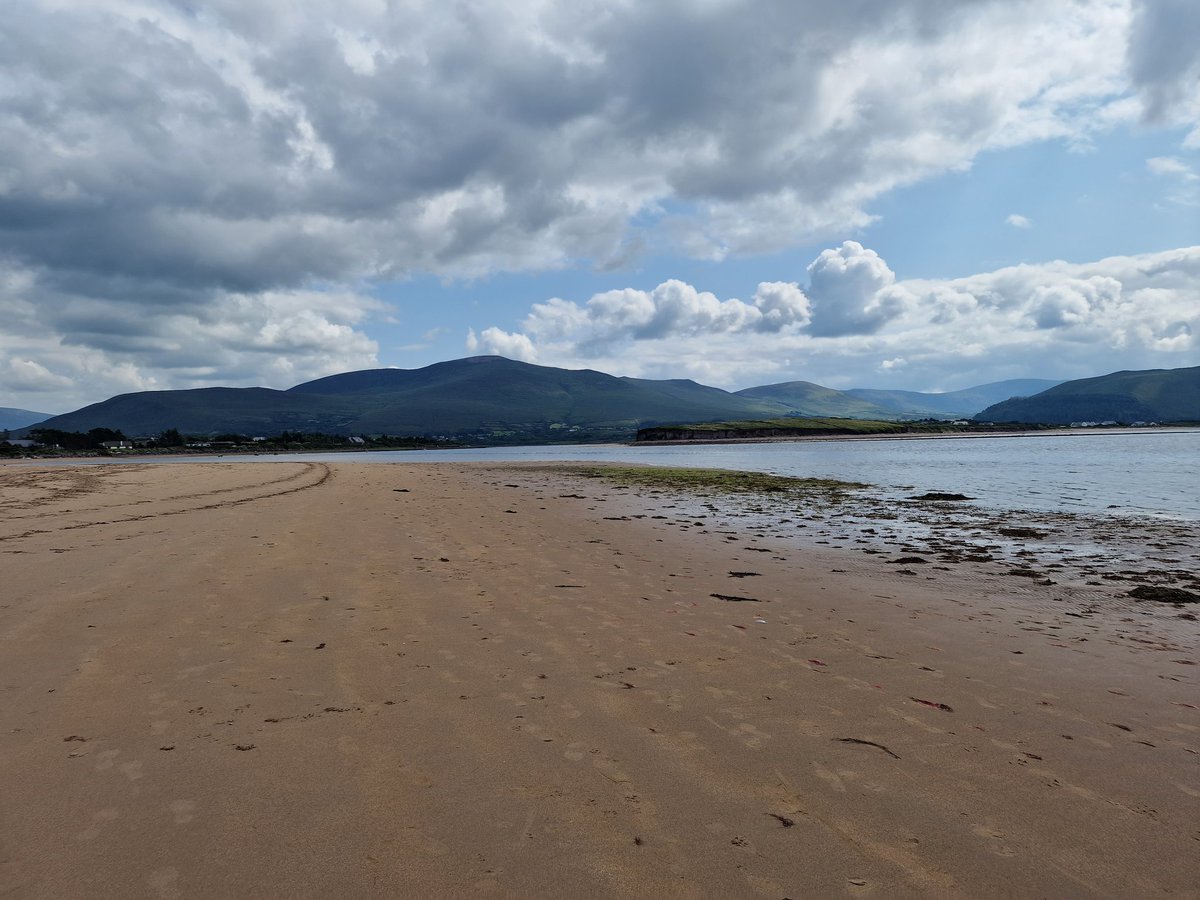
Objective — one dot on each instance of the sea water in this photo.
(1141, 473)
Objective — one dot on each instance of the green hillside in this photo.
(490, 399)
(1155, 395)
(480, 395)
(803, 398)
(951, 404)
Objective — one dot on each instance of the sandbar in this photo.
(364, 680)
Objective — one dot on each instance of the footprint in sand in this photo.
(163, 882)
(571, 711)
(833, 779)
(183, 811)
(612, 771)
(108, 814)
(105, 759)
(751, 736)
(995, 840)
(575, 751)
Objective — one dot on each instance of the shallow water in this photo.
(1131, 473)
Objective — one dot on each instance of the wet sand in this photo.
(300, 679)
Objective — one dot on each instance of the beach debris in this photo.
(74, 737)
(1122, 727)
(933, 703)
(1163, 594)
(730, 598)
(905, 560)
(759, 620)
(783, 820)
(400, 490)
(1024, 573)
(849, 740)
(1021, 532)
(817, 662)
(320, 646)
(744, 574)
(244, 747)
(940, 496)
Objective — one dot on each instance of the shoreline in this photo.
(203, 456)
(315, 678)
(1046, 432)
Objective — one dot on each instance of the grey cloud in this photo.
(1164, 54)
(162, 156)
(202, 144)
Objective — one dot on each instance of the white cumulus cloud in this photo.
(855, 325)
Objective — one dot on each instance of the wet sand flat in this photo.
(302, 680)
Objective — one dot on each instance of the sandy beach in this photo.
(356, 680)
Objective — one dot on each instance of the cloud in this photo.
(1016, 220)
(670, 311)
(262, 148)
(218, 163)
(1163, 63)
(80, 348)
(1171, 167)
(849, 290)
(31, 376)
(496, 342)
(1052, 320)
(1183, 181)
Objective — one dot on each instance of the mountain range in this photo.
(1153, 395)
(501, 400)
(11, 418)
(808, 399)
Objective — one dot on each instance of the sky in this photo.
(917, 194)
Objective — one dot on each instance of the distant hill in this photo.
(456, 398)
(1155, 395)
(954, 404)
(496, 400)
(11, 418)
(808, 399)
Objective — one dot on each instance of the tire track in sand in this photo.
(310, 475)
